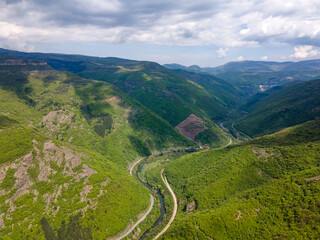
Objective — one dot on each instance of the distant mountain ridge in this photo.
(166, 93)
(258, 76)
(247, 66)
(74, 129)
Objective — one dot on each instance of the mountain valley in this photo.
(110, 148)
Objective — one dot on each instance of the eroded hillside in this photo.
(65, 146)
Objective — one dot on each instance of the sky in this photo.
(202, 32)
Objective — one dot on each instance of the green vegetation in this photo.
(71, 231)
(222, 92)
(112, 199)
(167, 94)
(70, 120)
(164, 92)
(254, 76)
(287, 107)
(73, 109)
(66, 143)
(14, 143)
(6, 122)
(9, 180)
(212, 136)
(266, 188)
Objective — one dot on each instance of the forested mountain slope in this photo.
(267, 188)
(223, 92)
(65, 145)
(258, 76)
(164, 92)
(45, 182)
(283, 108)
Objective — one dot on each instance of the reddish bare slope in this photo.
(191, 126)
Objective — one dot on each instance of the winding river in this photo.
(160, 196)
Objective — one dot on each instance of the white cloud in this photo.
(304, 52)
(264, 58)
(222, 52)
(100, 6)
(240, 58)
(182, 22)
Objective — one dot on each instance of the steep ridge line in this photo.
(175, 207)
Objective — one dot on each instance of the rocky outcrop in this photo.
(21, 62)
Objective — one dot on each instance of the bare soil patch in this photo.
(239, 215)
(54, 120)
(191, 126)
(1, 221)
(313, 178)
(191, 207)
(261, 152)
(110, 99)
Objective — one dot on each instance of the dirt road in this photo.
(126, 233)
(175, 207)
(240, 131)
(230, 142)
(139, 221)
(134, 164)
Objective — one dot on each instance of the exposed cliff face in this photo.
(21, 62)
(13, 65)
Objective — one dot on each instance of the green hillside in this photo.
(46, 180)
(266, 188)
(256, 76)
(222, 92)
(164, 92)
(67, 141)
(283, 108)
(154, 86)
(167, 94)
(75, 110)
(65, 145)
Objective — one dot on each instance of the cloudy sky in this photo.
(203, 32)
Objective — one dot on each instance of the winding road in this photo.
(139, 221)
(240, 131)
(126, 233)
(227, 131)
(134, 164)
(175, 207)
(230, 142)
